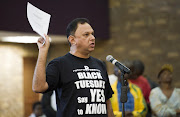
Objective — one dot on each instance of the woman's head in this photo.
(165, 74)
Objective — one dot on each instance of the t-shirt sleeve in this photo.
(52, 75)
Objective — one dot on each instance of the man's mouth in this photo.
(92, 45)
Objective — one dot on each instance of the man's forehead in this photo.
(84, 27)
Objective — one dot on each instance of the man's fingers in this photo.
(48, 39)
(41, 40)
(46, 36)
(44, 42)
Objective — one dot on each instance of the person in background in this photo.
(165, 99)
(37, 110)
(112, 78)
(48, 107)
(135, 105)
(139, 80)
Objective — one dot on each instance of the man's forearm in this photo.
(109, 108)
(39, 78)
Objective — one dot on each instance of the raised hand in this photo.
(43, 44)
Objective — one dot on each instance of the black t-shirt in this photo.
(82, 86)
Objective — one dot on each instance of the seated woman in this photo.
(165, 99)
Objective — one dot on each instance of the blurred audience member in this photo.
(37, 110)
(135, 105)
(140, 80)
(112, 78)
(48, 104)
(165, 99)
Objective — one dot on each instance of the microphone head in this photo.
(109, 57)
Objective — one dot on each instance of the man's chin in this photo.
(91, 50)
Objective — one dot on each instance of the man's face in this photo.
(84, 38)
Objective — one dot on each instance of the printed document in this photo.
(38, 19)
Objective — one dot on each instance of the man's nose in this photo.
(92, 37)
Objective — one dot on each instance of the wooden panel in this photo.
(29, 96)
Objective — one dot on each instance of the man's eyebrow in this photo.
(89, 32)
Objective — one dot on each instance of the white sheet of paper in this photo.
(38, 19)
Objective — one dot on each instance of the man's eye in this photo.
(86, 34)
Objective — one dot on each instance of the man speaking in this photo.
(80, 81)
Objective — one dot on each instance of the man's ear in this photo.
(71, 39)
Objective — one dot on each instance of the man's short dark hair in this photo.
(139, 67)
(72, 26)
(35, 104)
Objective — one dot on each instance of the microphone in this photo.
(122, 67)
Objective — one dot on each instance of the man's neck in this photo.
(79, 54)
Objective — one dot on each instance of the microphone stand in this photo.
(124, 89)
